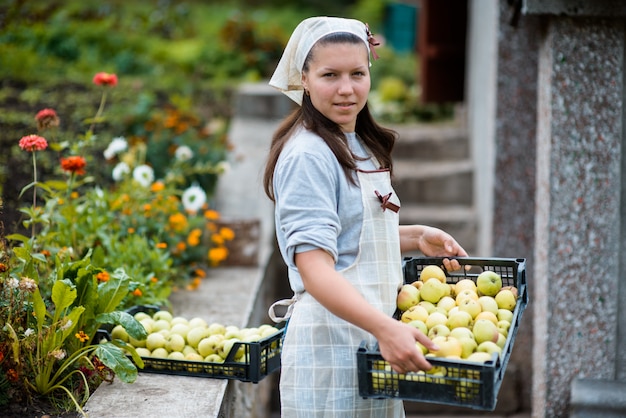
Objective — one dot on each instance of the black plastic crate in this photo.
(261, 358)
(450, 382)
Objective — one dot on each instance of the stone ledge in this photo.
(593, 398)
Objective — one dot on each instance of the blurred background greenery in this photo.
(170, 56)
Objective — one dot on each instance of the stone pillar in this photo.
(577, 210)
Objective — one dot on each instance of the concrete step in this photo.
(431, 142)
(457, 220)
(446, 182)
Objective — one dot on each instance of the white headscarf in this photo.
(288, 74)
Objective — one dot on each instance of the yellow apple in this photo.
(506, 299)
(464, 284)
(139, 316)
(489, 347)
(432, 271)
(414, 313)
(430, 307)
(213, 358)
(503, 327)
(180, 329)
(505, 315)
(439, 330)
(433, 290)
(436, 318)
(501, 341)
(468, 346)
(465, 294)
(458, 319)
(489, 304)
(480, 357)
(160, 352)
(407, 296)
(143, 352)
(195, 335)
(216, 328)
(487, 315)
(197, 322)
(175, 342)
(161, 324)
(418, 284)
(447, 303)
(488, 283)
(448, 346)
(210, 344)
(165, 315)
(471, 306)
(176, 355)
(154, 341)
(179, 320)
(421, 325)
(485, 330)
(461, 332)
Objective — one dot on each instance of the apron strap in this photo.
(289, 303)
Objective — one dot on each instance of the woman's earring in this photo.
(307, 92)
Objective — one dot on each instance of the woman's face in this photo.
(338, 81)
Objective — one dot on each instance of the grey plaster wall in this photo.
(577, 224)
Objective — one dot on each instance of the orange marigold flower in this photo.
(195, 283)
(157, 186)
(33, 143)
(105, 79)
(81, 336)
(74, 164)
(12, 375)
(227, 233)
(161, 245)
(137, 292)
(147, 207)
(154, 279)
(217, 255)
(74, 195)
(103, 276)
(217, 239)
(200, 272)
(177, 221)
(3, 267)
(131, 230)
(181, 246)
(46, 118)
(211, 214)
(194, 237)
(45, 253)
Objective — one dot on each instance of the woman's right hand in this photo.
(397, 344)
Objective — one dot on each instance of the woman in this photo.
(328, 174)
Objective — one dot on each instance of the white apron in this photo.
(319, 370)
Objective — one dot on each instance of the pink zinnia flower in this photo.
(105, 79)
(33, 143)
(46, 118)
(74, 164)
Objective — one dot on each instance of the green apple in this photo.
(141, 315)
(216, 328)
(210, 344)
(160, 324)
(468, 346)
(193, 357)
(119, 332)
(447, 303)
(148, 324)
(485, 330)
(436, 318)
(414, 313)
(448, 347)
(489, 304)
(489, 283)
(154, 341)
(439, 330)
(180, 329)
(506, 300)
(459, 319)
(480, 357)
(429, 306)
(489, 347)
(471, 306)
(433, 290)
(159, 353)
(461, 332)
(432, 272)
(421, 325)
(505, 315)
(176, 355)
(197, 322)
(143, 352)
(224, 348)
(503, 327)
(165, 315)
(501, 341)
(195, 335)
(214, 358)
(175, 342)
(407, 296)
(179, 320)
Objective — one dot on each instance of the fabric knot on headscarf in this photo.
(288, 74)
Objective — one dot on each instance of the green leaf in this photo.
(111, 293)
(130, 349)
(114, 358)
(63, 294)
(17, 237)
(130, 324)
(39, 307)
(73, 316)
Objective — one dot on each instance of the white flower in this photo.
(194, 198)
(58, 354)
(116, 146)
(222, 167)
(13, 283)
(183, 153)
(120, 171)
(29, 332)
(67, 325)
(144, 175)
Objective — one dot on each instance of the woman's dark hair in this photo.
(379, 140)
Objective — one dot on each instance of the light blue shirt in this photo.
(316, 206)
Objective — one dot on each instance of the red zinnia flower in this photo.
(33, 143)
(46, 118)
(74, 164)
(105, 79)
